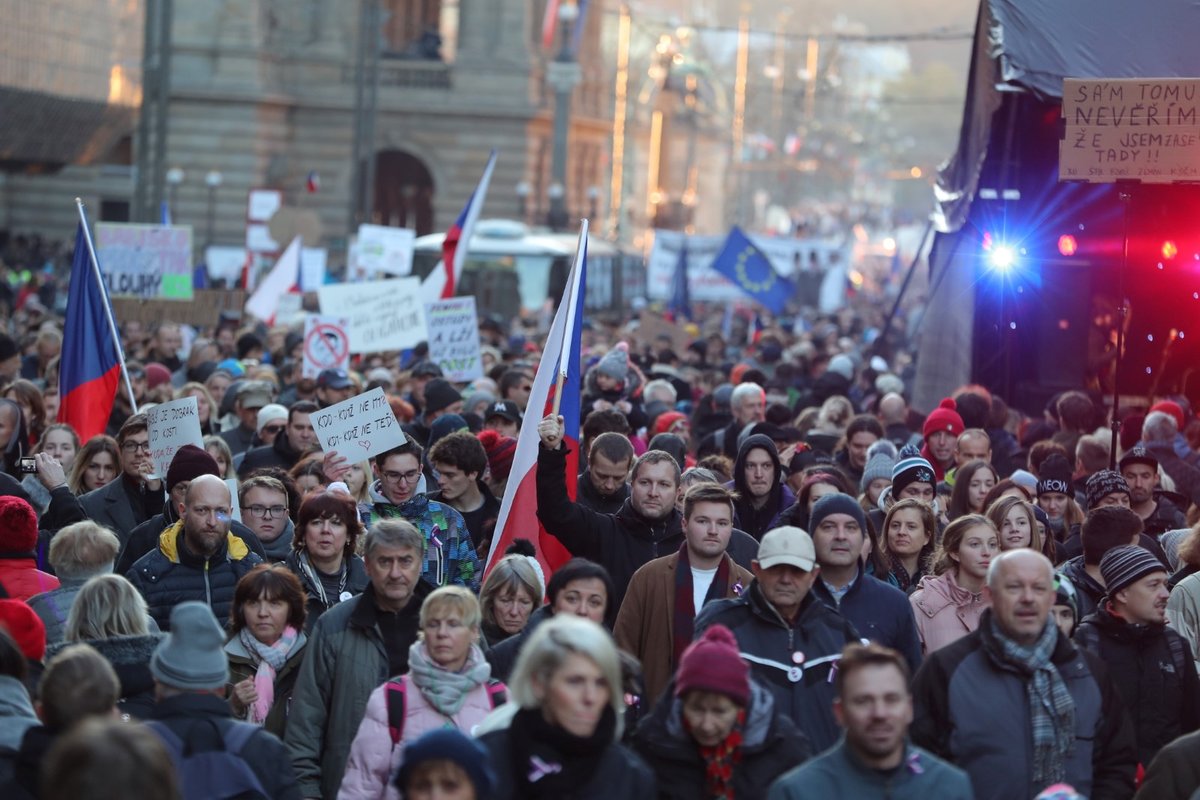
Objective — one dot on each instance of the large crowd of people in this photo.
(784, 581)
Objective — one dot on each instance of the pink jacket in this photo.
(373, 762)
(944, 611)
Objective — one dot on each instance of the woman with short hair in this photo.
(510, 594)
(324, 555)
(560, 735)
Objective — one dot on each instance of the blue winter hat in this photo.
(837, 504)
(448, 744)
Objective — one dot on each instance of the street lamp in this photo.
(562, 74)
(593, 196)
(213, 181)
(555, 192)
(523, 192)
(175, 177)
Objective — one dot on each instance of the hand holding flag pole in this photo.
(573, 301)
(112, 325)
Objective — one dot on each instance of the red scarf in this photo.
(720, 760)
(683, 624)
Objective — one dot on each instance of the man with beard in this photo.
(1140, 471)
(604, 485)
(1151, 663)
(197, 558)
(758, 480)
(874, 707)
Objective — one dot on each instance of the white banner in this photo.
(453, 338)
(147, 261)
(385, 249)
(172, 425)
(382, 315)
(359, 428)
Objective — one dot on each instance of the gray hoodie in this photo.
(16, 712)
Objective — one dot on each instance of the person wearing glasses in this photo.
(264, 504)
(137, 494)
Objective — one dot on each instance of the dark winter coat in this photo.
(1088, 591)
(503, 656)
(119, 506)
(839, 773)
(356, 583)
(279, 453)
(878, 611)
(757, 521)
(1155, 675)
(771, 745)
(144, 538)
(1174, 774)
(242, 666)
(769, 643)
(130, 659)
(587, 496)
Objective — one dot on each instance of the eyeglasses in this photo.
(402, 477)
(134, 447)
(273, 429)
(266, 511)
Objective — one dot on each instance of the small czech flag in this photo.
(313, 182)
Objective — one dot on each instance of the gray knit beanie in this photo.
(881, 460)
(192, 656)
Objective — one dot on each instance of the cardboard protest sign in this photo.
(359, 428)
(382, 248)
(380, 315)
(204, 309)
(326, 344)
(171, 426)
(454, 338)
(1131, 129)
(148, 261)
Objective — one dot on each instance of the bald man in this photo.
(1019, 707)
(197, 558)
(893, 415)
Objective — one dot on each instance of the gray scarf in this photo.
(1051, 707)
(444, 690)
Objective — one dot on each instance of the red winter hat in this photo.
(18, 526)
(664, 421)
(189, 463)
(156, 375)
(712, 664)
(25, 627)
(1174, 409)
(500, 450)
(943, 418)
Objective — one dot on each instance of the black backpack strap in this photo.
(394, 692)
(1180, 652)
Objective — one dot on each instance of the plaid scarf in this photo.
(1051, 707)
(720, 760)
(684, 622)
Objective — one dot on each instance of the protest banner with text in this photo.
(380, 315)
(454, 338)
(359, 428)
(172, 425)
(148, 261)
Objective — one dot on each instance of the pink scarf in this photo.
(271, 659)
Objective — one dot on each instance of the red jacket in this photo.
(21, 579)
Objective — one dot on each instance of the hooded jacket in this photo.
(450, 558)
(1088, 589)
(172, 574)
(770, 646)
(771, 745)
(1154, 673)
(757, 521)
(279, 453)
(945, 611)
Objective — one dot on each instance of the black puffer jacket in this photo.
(1154, 673)
(130, 659)
(771, 745)
(144, 538)
(171, 575)
(356, 583)
(766, 641)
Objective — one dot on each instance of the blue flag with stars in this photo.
(750, 270)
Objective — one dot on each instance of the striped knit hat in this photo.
(1125, 565)
(911, 468)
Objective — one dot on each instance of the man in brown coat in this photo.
(665, 595)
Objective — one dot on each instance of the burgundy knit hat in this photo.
(189, 463)
(18, 526)
(500, 450)
(25, 627)
(943, 418)
(712, 664)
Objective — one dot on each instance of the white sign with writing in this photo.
(382, 248)
(312, 267)
(1132, 129)
(172, 425)
(326, 344)
(381, 315)
(454, 338)
(147, 261)
(359, 428)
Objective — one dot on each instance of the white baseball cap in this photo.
(787, 545)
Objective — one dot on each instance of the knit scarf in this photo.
(720, 759)
(446, 691)
(906, 582)
(683, 624)
(549, 762)
(1051, 707)
(271, 658)
(314, 580)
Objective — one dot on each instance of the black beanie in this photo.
(1054, 476)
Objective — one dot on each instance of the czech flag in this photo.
(518, 510)
(90, 369)
(453, 257)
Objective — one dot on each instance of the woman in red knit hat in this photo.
(716, 733)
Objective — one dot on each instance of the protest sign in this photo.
(204, 309)
(359, 428)
(172, 425)
(225, 263)
(146, 261)
(381, 315)
(312, 267)
(326, 344)
(382, 248)
(454, 338)
(1131, 129)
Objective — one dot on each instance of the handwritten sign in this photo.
(1130, 130)
(172, 425)
(380, 315)
(359, 428)
(326, 344)
(382, 248)
(146, 261)
(454, 338)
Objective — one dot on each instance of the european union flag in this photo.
(744, 264)
(680, 304)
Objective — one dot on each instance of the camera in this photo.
(28, 465)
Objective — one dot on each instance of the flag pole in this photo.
(112, 325)
(564, 360)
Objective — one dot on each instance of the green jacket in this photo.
(838, 773)
(345, 661)
(242, 665)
